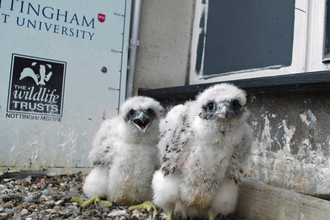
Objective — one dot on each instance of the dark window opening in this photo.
(242, 35)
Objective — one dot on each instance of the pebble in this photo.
(8, 211)
(42, 212)
(49, 211)
(8, 204)
(24, 212)
(17, 216)
(34, 215)
(60, 202)
(73, 208)
(46, 217)
(73, 192)
(25, 204)
(50, 203)
(3, 215)
(49, 191)
(57, 208)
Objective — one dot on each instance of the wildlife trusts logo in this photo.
(36, 88)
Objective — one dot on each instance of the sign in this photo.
(36, 87)
(62, 72)
(75, 25)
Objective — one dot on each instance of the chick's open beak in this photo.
(142, 121)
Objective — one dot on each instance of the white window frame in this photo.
(307, 54)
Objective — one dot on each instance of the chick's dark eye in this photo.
(236, 104)
(132, 112)
(150, 111)
(210, 106)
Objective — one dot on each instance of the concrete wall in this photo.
(291, 140)
(164, 42)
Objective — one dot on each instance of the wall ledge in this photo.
(304, 82)
(260, 201)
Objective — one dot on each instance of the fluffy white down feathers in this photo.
(124, 153)
(204, 145)
(202, 148)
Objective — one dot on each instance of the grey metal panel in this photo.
(48, 116)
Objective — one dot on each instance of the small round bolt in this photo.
(104, 69)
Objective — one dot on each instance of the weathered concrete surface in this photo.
(291, 141)
(164, 44)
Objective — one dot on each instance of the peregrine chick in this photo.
(124, 154)
(204, 145)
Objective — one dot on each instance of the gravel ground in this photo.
(48, 197)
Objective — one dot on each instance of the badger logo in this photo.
(39, 78)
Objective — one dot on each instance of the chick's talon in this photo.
(147, 205)
(108, 203)
(75, 199)
(95, 199)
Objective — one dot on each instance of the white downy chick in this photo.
(124, 153)
(204, 146)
